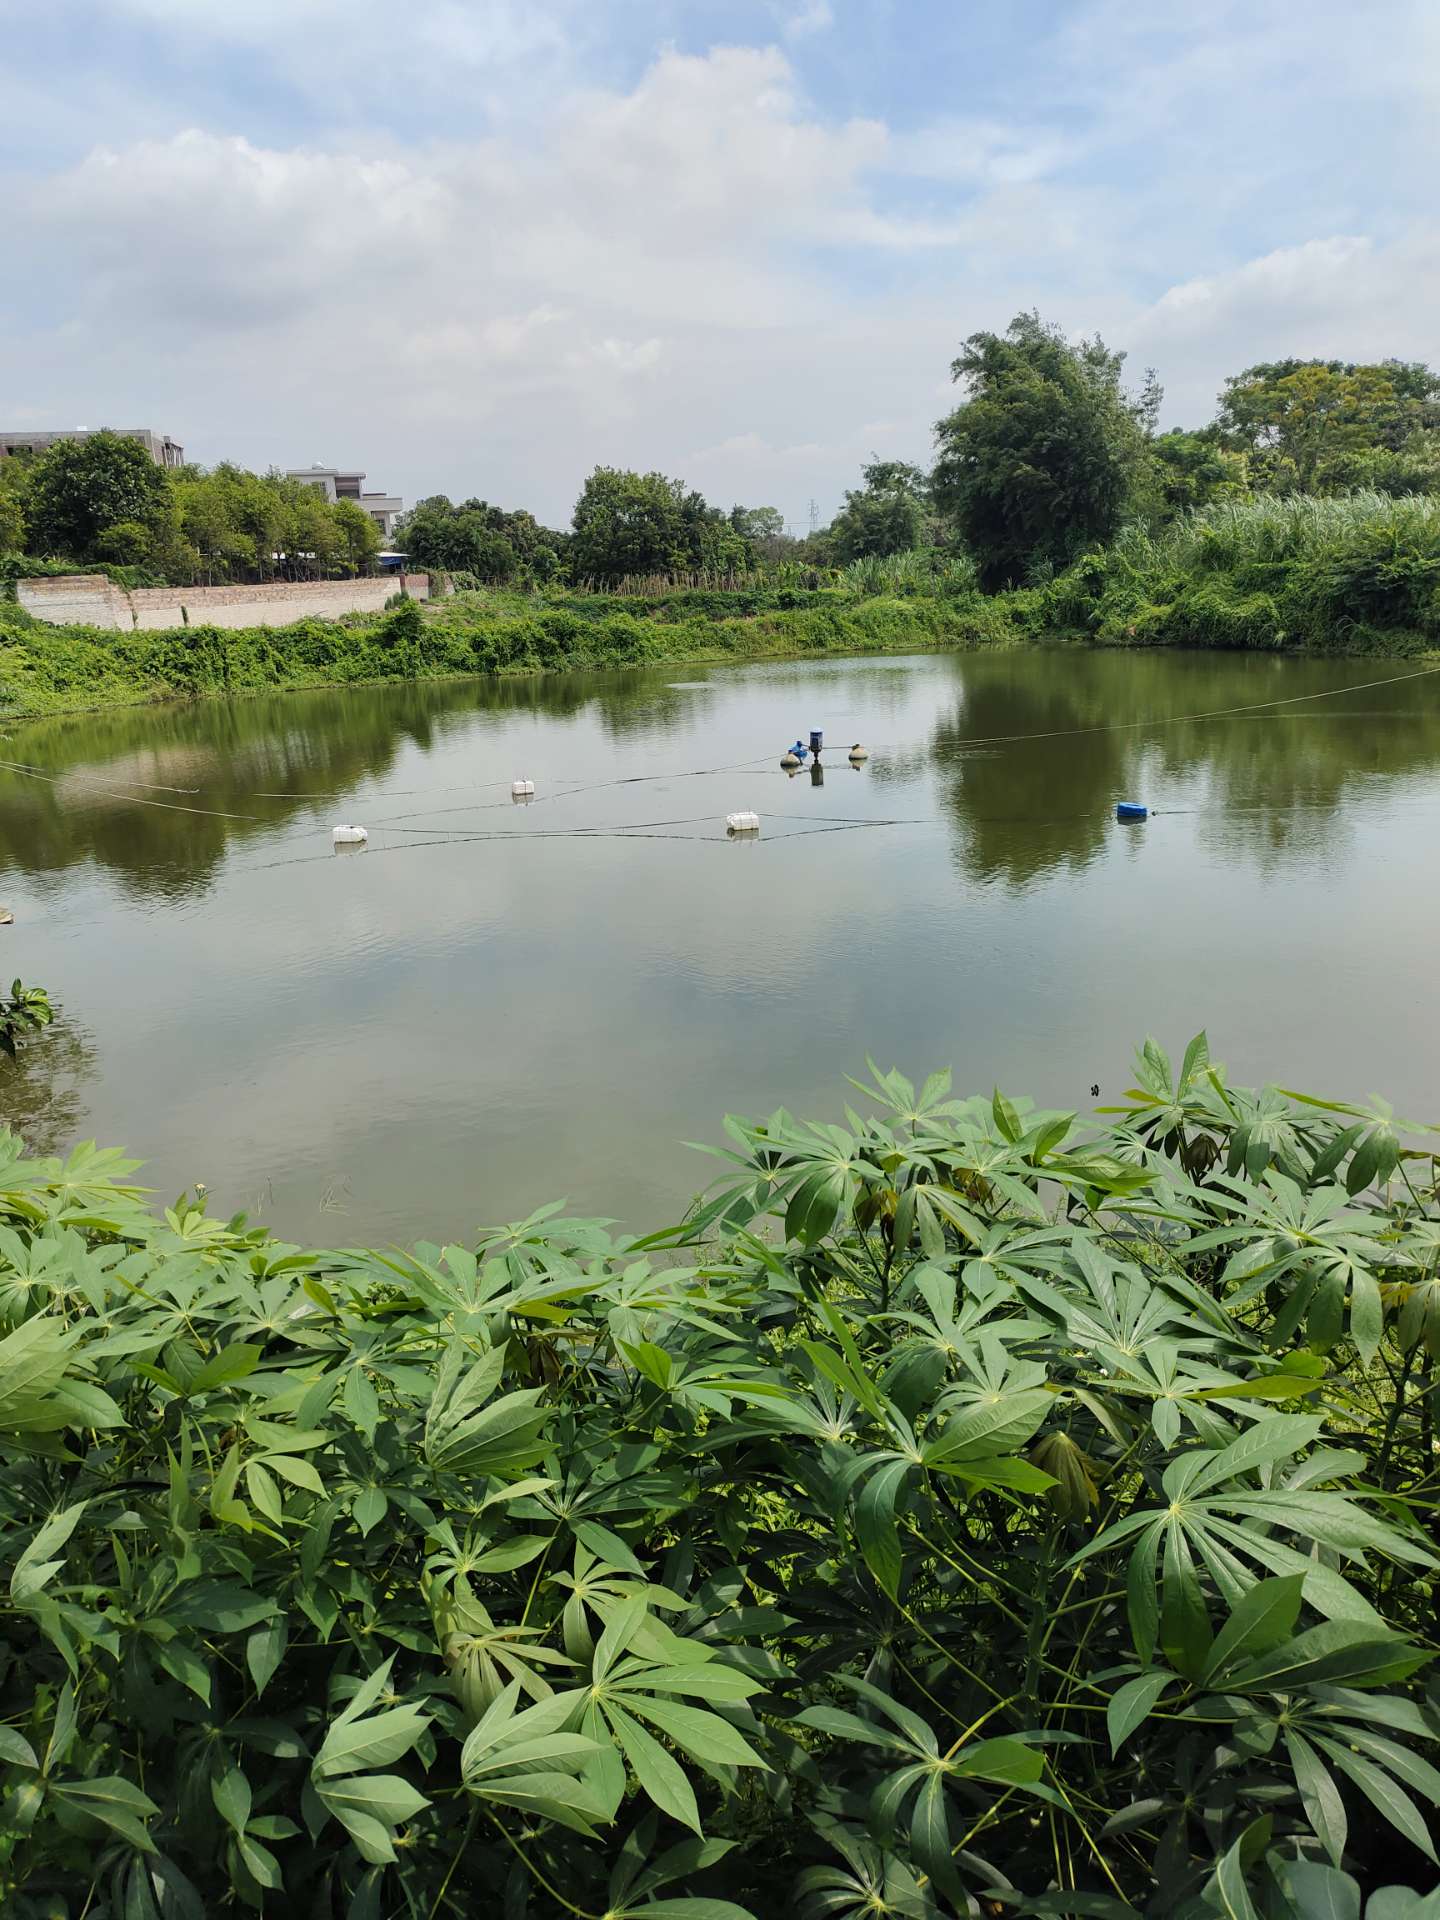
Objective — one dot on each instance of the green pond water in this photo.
(494, 1005)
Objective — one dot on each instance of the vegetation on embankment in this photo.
(961, 1511)
(45, 669)
(1358, 573)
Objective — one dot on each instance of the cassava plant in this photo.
(964, 1512)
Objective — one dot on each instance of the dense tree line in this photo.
(104, 500)
(1047, 457)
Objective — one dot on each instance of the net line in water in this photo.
(113, 792)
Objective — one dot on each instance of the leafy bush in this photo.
(1357, 572)
(960, 1513)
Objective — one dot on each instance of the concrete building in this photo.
(164, 451)
(342, 483)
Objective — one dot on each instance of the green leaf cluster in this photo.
(962, 1511)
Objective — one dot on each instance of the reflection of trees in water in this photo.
(42, 1092)
(272, 758)
(1027, 806)
(1020, 808)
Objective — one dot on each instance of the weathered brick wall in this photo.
(84, 599)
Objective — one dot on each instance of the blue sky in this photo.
(482, 247)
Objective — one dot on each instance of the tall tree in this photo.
(889, 514)
(1193, 469)
(359, 534)
(1046, 455)
(79, 488)
(641, 523)
(1304, 422)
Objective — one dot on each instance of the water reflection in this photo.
(1265, 781)
(502, 1003)
(43, 1089)
(155, 796)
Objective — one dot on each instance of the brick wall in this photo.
(91, 600)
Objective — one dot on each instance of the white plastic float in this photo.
(521, 789)
(858, 753)
(349, 836)
(745, 821)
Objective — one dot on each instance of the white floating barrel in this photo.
(744, 822)
(521, 789)
(349, 836)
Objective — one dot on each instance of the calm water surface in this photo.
(487, 1009)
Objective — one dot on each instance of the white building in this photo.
(342, 483)
(164, 451)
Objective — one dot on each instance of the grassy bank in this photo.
(1358, 574)
(45, 669)
(1355, 574)
(963, 1511)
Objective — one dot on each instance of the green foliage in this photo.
(642, 523)
(961, 1511)
(1046, 455)
(50, 669)
(1361, 571)
(103, 500)
(1315, 426)
(1196, 469)
(484, 542)
(889, 515)
(27, 1011)
(15, 472)
(79, 488)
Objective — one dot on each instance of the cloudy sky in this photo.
(482, 245)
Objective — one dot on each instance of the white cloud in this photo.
(531, 264)
(1344, 297)
(492, 315)
(815, 16)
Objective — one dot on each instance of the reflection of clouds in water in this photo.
(459, 1031)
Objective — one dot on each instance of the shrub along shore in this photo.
(961, 1512)
(1355, 574)
(46, 669)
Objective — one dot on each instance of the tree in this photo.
(625, 523)
(15, 474)
(360, 535)
(12, 523)
(1304, 422)
(78, 488)
(1048, 453)
(127, 543)
(754, 524)
(311, 538)
(1192, 469)
(477, 538)
(890, 514)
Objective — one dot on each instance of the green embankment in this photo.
(45, 669)
(1357, 574)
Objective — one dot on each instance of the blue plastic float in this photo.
(1131, 810)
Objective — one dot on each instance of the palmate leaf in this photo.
(1211, 1520)
(369, 1805)
(468, 1432)
(115, 1802)
(872, 1881)
(531, 1759)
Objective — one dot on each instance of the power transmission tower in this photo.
(814, 518)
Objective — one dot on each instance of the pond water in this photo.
(494, 1005)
